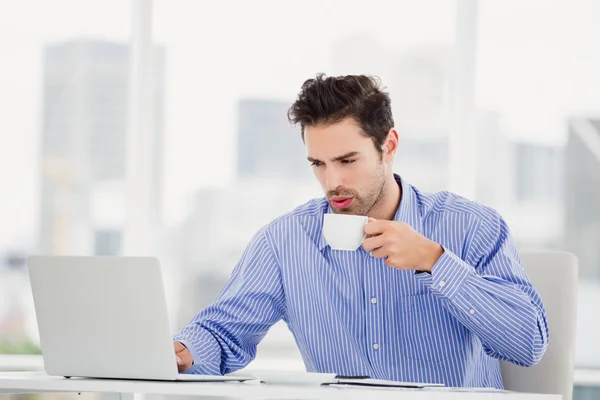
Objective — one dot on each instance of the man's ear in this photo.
(390, 146)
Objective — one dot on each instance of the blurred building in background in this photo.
(538, 171)
(419, 82)
(13, 278)
(536, 204)
(267, 145)
(493, 179)
(582, 194)
(83, 150)
(83, 160)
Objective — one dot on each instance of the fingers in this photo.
(183, 366)
(179, 347)
(372, 243)
(182, 356)
(184, 361)
(369, 220)
(379, 253)
(375, 227)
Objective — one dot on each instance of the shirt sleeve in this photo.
(492, 295)
(223, 337)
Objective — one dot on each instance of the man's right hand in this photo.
(183, 356)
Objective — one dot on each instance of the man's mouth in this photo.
(341, 202)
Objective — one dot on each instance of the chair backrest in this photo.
(555, 276)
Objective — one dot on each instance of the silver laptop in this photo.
(105, 317)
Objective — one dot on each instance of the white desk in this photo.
(39, 382)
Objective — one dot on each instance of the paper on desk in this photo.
(215, 378)
(470, 389)
(291, 378)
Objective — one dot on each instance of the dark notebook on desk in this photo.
(367, 381)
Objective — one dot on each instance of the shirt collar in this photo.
(408, 210)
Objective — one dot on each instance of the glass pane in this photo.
(539, 80)
(63, 116)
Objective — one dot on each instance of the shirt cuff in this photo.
(448, 275)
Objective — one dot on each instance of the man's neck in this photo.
(389, 201)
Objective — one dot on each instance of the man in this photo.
(436, 293)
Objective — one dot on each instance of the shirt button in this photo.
(442, 283)
(373, 300)
(471, 311)
(376, 346)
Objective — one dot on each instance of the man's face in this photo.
(348, 166)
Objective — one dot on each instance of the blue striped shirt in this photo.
(351, 314)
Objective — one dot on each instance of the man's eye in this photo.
(316, 164)
(348, 161)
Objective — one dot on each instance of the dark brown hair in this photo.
(328, 100)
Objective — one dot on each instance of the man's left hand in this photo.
(402, 247)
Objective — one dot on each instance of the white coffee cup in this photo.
(344, 232)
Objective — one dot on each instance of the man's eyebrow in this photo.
(338, 158)
(347, 155)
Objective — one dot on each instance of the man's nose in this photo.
(333, 178)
